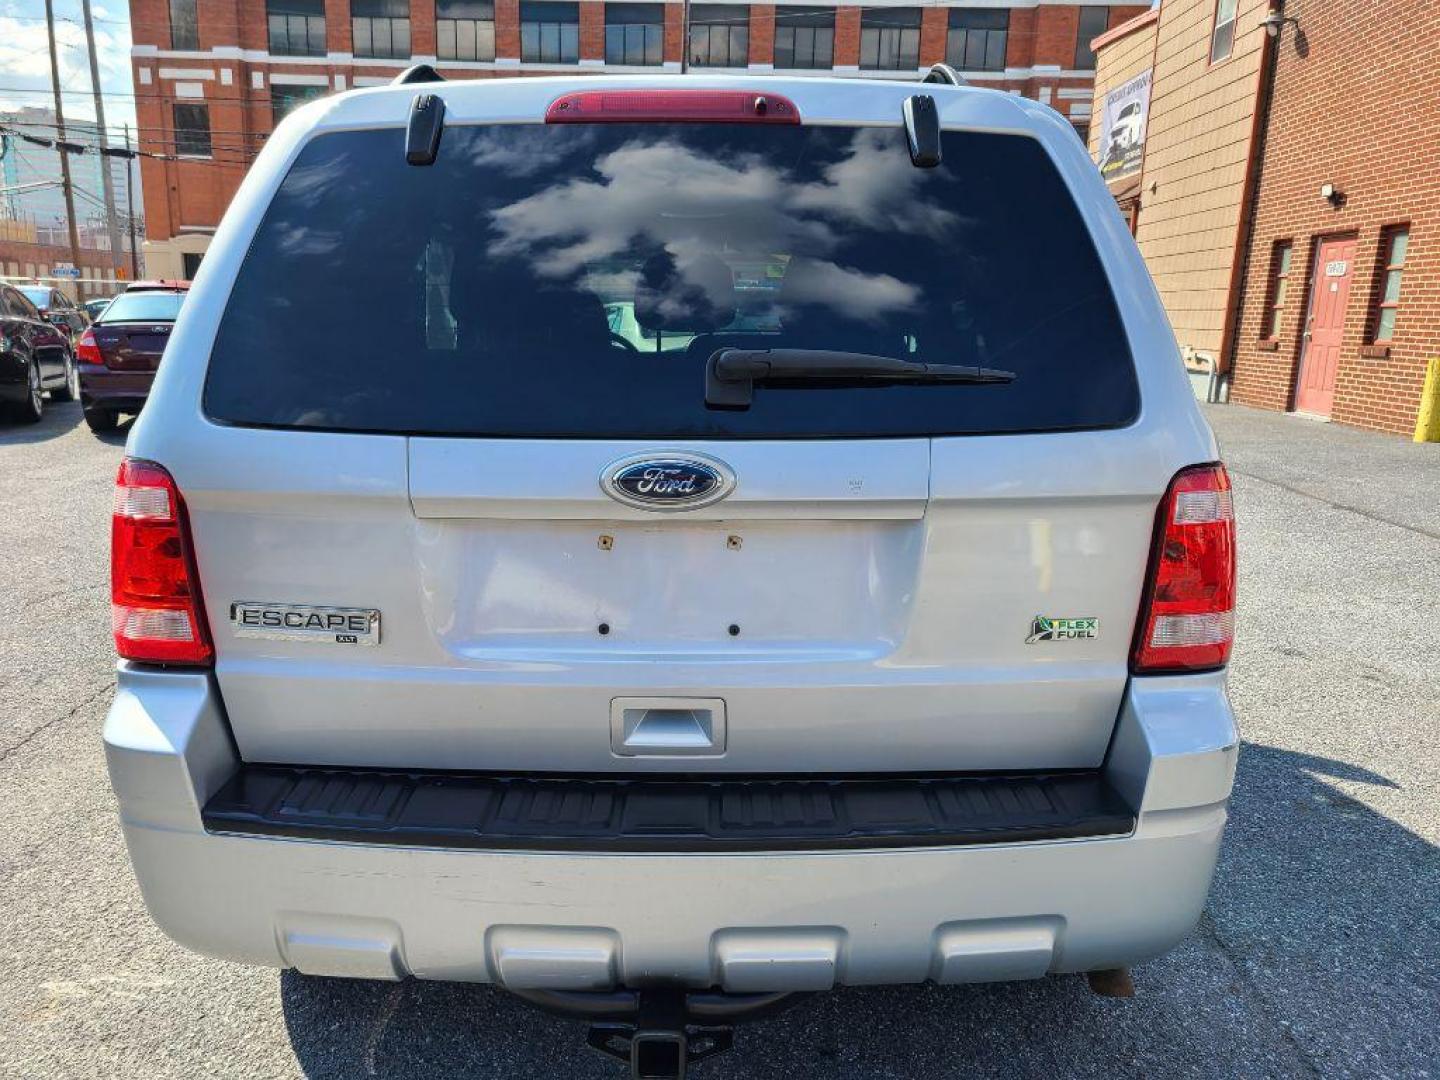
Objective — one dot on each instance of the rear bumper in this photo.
(122, 391)
(743, 921)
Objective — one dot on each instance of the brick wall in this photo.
(1355, 105)
(762, 33)
(592, 30)
(934, 29)
(847, 37)
(337, 25)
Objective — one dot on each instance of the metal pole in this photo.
(60, 138)
(685, 37)
(107, 181)
(130, 208)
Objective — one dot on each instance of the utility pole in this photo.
(60, 138)
(107, 181)
(685, 38)
(130, 208)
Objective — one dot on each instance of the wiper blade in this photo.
(731, 374)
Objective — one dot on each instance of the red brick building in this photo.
(213, 76)
(1340, 294)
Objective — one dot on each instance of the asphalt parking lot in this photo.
(1319, 953)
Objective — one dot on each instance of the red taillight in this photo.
(676, 106)
(87, 351)
(1187, 621)
(155, 596)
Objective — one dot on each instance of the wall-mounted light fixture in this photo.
(1276, 21)
(1331, 194)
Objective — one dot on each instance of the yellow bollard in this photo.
(1427, 424)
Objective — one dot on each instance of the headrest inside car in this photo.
(695, 295)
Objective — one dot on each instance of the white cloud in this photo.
(25, 59)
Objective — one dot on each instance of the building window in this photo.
(1222, 39)
(465, 29)
(190, 263)
(1093, 21)
(549, 32)
(1393, 246)
(192, 130)
(804, 38)
(720, 35)
(977, 39)
(890, 39)
(381, 28)
(285, 99)
(184, 25)
(297, 27)
(1279, 287)
(635, 34)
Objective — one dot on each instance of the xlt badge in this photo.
(1049, 628)
(305, 622)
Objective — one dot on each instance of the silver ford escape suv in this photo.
(660, 545)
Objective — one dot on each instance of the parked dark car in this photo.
(117, 357)
(58, 309)
(35, 357)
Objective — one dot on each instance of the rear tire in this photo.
(102, 421)
(71, 390)
(32, 408)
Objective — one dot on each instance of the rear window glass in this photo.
(144, 307)
(39, 297)
(572, 280)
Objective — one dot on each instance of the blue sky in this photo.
(25, 58)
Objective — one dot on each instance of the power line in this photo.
(116, 127)
(239, 155)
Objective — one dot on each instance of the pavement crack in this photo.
(24, 740)
(382, 1024)
(1251, 990)
(72, 590)
(1419, 530)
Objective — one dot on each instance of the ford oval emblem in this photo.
(667, 481)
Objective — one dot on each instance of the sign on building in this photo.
(1122, 132)
(65, 270)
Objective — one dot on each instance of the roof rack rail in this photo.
(417, 73)
(944, 73)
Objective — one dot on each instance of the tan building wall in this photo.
(1198, 144)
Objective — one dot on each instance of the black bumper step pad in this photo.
(449, 810)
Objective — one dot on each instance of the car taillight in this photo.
(154, 591)
(1187, 619)
(86, 349)
(672, 106)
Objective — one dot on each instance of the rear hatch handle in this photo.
(731, 374)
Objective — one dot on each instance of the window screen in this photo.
(977, 39)
(549, 32)
(192, 130)
(719, 35)
(890, 39)
(804, 38)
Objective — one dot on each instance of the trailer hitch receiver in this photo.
(659, 1032)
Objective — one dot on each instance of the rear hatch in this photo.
(496, 454)
(135, 329)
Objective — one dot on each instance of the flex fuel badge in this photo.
(1049, 628)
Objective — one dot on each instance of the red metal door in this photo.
(1325, 325)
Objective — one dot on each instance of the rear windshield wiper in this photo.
(731, 374)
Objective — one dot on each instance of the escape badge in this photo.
(1048, 628)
